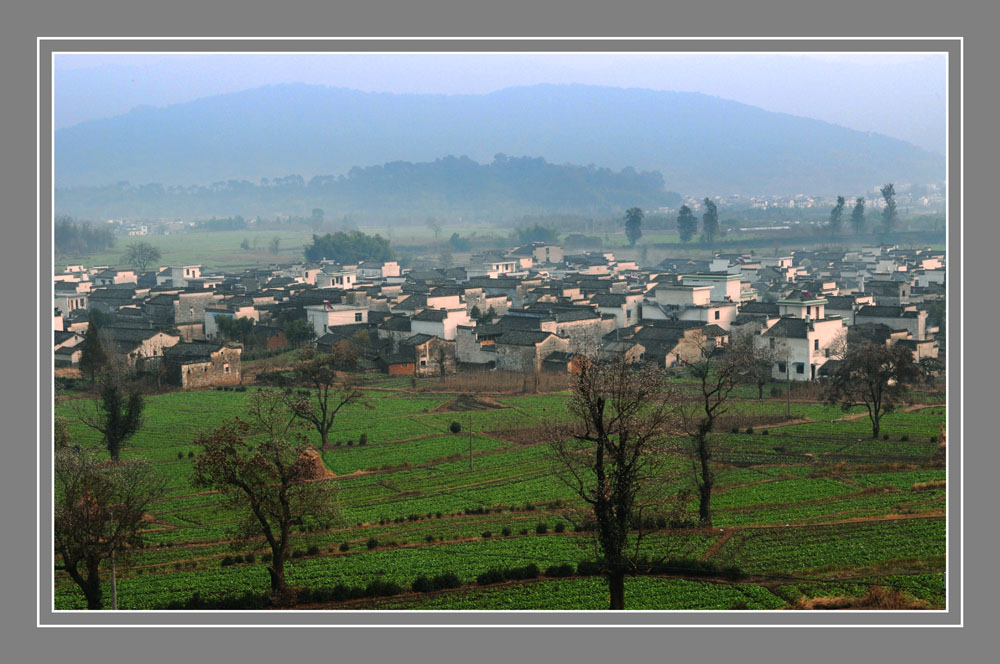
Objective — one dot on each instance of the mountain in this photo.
(505, 188)
(701, 145)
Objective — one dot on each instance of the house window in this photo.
(357, 317)
(815, 344)
(809, 311)
(781, 367)
(716, 314)
(800, 368)
(423, 363)
(225, 368)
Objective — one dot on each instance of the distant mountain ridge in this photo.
(457, 186)
(701, 145)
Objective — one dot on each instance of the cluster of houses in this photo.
(530, 309)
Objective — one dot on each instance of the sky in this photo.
(900, 95)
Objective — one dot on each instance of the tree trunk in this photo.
(92, 590)
(760, 391)
(616, 587)
(876, 425)
(324, 437)
(277, 572)
(705, 504)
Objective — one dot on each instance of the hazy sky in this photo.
(899, 95)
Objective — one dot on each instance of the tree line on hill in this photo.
(503, 188)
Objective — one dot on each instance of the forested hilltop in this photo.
(503, 188)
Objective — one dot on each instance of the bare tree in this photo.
(875, 375)
(760, 360)
(331, 391)
(717, 372)
(611, 449)
(141, 254)
(99, 510)
(268, 471)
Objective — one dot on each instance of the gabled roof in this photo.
(882, 311)
(195, 351)
(431, 316)
(791, 328)
(523, 338)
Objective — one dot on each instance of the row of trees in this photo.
(687, 223)
(351, 247)
(858, 221)
(74, 238)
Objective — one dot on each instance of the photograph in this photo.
(509, 330)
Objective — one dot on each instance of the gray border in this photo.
(508, 618)
(23, 22)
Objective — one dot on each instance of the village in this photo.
(532, 309)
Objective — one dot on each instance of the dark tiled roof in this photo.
(194, 351)
(431, 316)
(523, 338)
(792, 328)
(881, 311)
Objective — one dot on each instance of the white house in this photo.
(801, 346)
(322, 317)
(343, 279)
(441, 323)
(725, 287)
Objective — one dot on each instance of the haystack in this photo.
(313, 463)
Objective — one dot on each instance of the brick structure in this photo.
(202, 364)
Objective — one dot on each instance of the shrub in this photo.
(297, 553)
(776, 391)
(191, 454)
(312, 550)
(446, 580)
(438, 515)
(371, 543)
(734, 430)
(529, 507)
(559, 570)
(764, 432)
(237, 560)
(560, 526)
(487, 534)
(429, 538)
(180, 455)
(541, 528)
(344, 546)
(363, 439)
(524, 531)
(589, 568)
(250, 558)
(505, 532)
(266, 558)
(934, 439)
(904, 439)
(749, 429)
(226, 562)
(422, 584)
(455, 427)
(885, 437)
(350, 443)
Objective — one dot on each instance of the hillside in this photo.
(700, 144)
(505, 188)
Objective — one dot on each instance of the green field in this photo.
(805, 510)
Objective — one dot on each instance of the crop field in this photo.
(805, 507)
